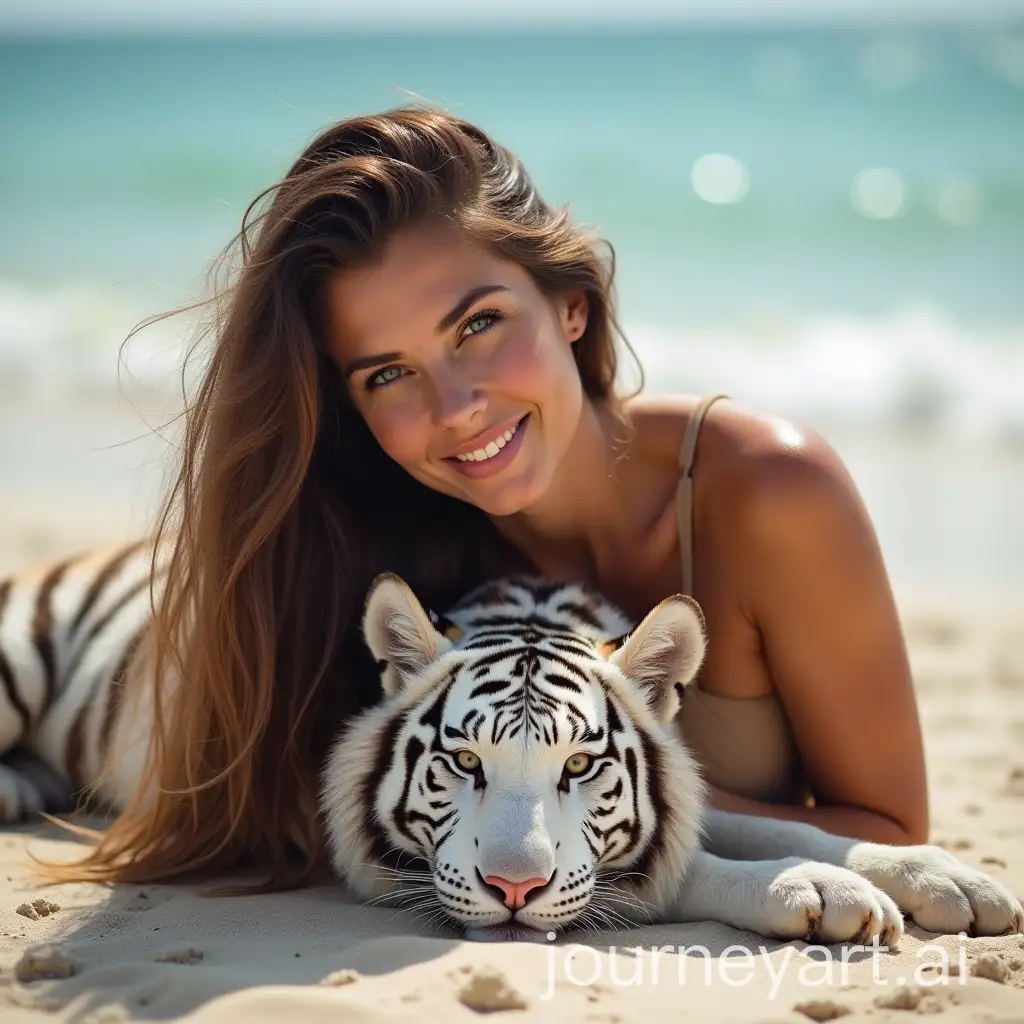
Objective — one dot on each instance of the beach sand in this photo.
(157, 952)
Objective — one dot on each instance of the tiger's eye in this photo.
(467, 760)
(577, 764)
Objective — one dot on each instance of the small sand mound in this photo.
(188, 955)
(906, 997)
(112, 1014)
(46, 962)
(345, 976)
(991, 966)
(822, 1009)
(37, 908)
(488, 990)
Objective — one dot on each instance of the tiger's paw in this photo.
(827, 904)
(941, 893)
(28, 787)
(19, 797)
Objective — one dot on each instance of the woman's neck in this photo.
(586, 516)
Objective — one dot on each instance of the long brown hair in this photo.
(284, 507)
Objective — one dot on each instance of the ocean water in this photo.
(872, 265)
(827, 223)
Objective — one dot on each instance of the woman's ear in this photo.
(573, 311)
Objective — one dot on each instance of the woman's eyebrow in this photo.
(465, 302)
(366, 362)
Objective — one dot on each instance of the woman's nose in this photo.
(457, 401)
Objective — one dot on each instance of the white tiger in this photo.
(522, 772)
(529, 762)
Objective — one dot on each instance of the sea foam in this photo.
(916, 370)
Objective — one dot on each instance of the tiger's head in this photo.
(523, 772)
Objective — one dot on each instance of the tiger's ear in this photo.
(666, 649)
(399, 633)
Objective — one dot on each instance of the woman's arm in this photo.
(815, 588)
(856, 822)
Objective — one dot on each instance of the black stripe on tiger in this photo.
(440, 842)
(380, 847)
(101, 624)
(615, 792)
(413, 752)
(488, 642)
(583, 612)
(580, 646)
(114, 693)
(42, 631)
(10, 684)
(100, 583)
(631, 827)
(402, 817)
(518, 623)
(509, 647)
(486, 689)
(75, 750)
(663, 811)
(414, 749)
(562, 682)
(541, 592)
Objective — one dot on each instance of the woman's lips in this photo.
(496, 463)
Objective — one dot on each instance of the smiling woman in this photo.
(415, 373)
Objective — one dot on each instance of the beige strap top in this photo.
(744, 745)
(684, 497)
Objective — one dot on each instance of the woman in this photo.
(414, 371)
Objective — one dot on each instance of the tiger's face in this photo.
(524, 759)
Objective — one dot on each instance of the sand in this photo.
(98, 955)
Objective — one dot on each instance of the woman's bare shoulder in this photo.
(755, 453)
(764, 484)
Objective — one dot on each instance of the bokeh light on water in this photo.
(720, 178)
(879, 192)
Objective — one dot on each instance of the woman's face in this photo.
(461, 367)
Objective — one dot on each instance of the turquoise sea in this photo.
(128, 162)
(829, 223)
(136, 157)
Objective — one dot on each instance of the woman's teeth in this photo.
(491, 450)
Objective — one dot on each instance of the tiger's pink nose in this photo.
(515, 892)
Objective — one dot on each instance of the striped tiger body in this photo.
(539, 745)
(523, 760)
(68, 633)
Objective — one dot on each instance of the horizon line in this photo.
(248, 17)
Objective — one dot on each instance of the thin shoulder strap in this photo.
(684, 496)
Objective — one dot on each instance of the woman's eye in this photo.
(467, 760)
(480, 322)
(385, 376)
(577, 764)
